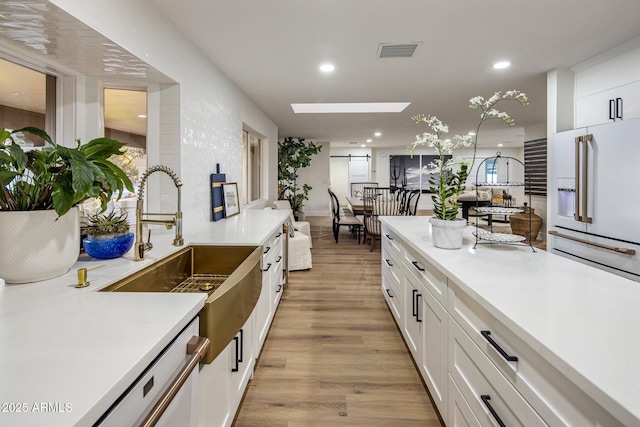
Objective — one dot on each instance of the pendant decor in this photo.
(447, 234)
(37, 245)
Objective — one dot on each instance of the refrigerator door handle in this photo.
(582, 176)
(585, 176)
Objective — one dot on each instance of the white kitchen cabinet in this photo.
(459, 412)
(433, 354)
(593, 109)
(558, 401)
(392, 285)
(492, 399)
(223, 381)
(412, 316)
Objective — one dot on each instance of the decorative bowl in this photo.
(106, 247)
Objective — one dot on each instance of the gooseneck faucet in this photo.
(140, 245)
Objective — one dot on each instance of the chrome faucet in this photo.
(140, 245)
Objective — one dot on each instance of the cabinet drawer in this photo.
(459, 412)
(490, 396)
(391, 242)
(558, 400)
(433, 280)
(271, 250)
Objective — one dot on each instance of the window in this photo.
(27, 98)
(491, 171)
(125, 119)
(251, 167)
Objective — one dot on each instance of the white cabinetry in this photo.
(593, 109)
(477, 369)
(224, 381)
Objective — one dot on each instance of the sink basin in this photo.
(230, 275)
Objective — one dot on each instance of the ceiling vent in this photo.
(405, 50)
(353, 142)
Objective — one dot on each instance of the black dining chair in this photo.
(341, 219)
(379, 201)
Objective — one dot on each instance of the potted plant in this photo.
(449, 174)
(108, 235)
(39, 191)
(293, 154)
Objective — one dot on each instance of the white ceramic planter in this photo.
(36, 246)
(447, 234)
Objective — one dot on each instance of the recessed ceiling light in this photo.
(502, 64)
(369, 140)
(378, 133)
(327, 68)
(347, 107)
(363, 145)
(500, 145)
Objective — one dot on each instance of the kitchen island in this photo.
(67, 354)
(565, 336)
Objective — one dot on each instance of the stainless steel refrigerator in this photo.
(594, 196)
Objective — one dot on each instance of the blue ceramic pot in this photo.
(108, 247)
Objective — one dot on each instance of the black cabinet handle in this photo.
(267, 250)
(241, 354)
(487, 336)
(388, 263)
(415, 264)
(619, 108)
(388, 237)
(418, 319)
(485, 399)
(413, 302)
(279, 258)
(389, 293)
(237, 367)
(268, 267)
(278, 235)
(612, 107)
(279, 289)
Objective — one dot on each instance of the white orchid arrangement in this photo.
(451, 173)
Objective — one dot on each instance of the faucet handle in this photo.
(148, 246)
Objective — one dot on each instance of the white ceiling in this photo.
(272, 51)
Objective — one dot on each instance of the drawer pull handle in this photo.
(278, 235)
(487, 336)
(388, 263)
(388, 237)
(413, 303)
(389, 293)
(236, 368)
(267, 250)
(279, 289)
(268, 267)
(485, 399)
(415, 264)
(279, 258)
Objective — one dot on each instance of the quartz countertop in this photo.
(582, 320)
(67, 354)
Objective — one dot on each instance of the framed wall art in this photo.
(230, 197)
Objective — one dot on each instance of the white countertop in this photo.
(77, 350)
(584, 321)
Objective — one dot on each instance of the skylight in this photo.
(348, 107)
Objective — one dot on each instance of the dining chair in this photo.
(379, 201)
(341, 219)
(357, 188)
(411, 202)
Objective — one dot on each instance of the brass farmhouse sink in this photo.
(230, 275)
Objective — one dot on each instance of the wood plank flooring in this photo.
(334, 356)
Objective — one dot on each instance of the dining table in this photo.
(356, 204)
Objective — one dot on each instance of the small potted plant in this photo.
(40, 189)
(108, 235)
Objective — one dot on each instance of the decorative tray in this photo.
(498, 237)
(498, 210)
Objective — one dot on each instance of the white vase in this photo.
(447, 234)
(37, 245)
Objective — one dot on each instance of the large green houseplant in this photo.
(294, 154)
(39, 189)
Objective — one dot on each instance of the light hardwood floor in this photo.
(334, 356)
